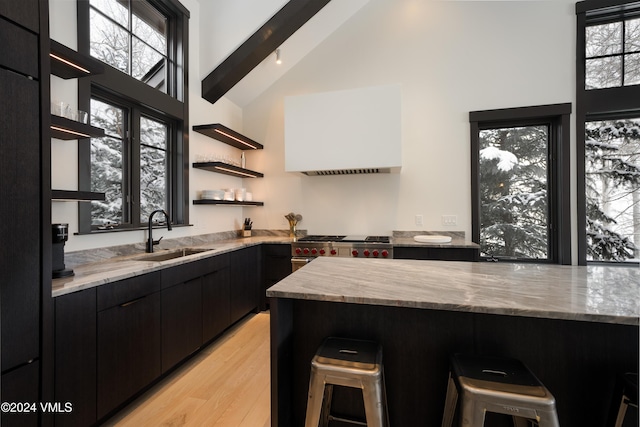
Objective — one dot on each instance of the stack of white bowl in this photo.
(212, 194)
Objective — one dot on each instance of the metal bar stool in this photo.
(349, 363)
(498, 385)
(629, 397)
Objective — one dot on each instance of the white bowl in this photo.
(424, 238)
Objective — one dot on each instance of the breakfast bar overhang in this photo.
(575, 327)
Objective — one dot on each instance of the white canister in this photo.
(248, 197)
(241, 193)
(228, 194)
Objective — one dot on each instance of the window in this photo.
(150, 153)
(608, 144)
(520, 186)
(612, 189)
(141, 101)
(612, 54)
(131, 37)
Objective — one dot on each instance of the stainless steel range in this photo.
(307, 248)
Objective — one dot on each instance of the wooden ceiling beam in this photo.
(256, 48)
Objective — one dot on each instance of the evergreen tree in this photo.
(513, 192)
(612, 173)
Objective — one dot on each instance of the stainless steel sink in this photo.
(179, 253)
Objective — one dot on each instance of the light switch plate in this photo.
(449, 220)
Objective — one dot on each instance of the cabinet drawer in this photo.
(19, 49)
(127, 290)
(182, 273)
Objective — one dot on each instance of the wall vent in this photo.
(348, 171)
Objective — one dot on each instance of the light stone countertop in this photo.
(454, 243)
(593, 293)
(98, 273)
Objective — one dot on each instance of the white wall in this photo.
(451, 57)
(205, 219)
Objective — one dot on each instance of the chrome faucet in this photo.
(151, 242)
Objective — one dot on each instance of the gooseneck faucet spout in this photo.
(150, 241)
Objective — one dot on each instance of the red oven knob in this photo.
(375, 253)
(314, 251)
(366, 252)
(306, 251)
(333, 252)
(298, 251)
(385, 253)
(354, 252)
(321, 251)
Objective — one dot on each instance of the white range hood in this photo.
(344, 132)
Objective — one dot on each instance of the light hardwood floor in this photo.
(225, 385)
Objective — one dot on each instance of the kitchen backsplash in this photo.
(410, 234)
(73, 259)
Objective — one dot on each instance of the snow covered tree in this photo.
(612, 181)
(513, 192)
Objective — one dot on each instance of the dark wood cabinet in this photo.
(276, 265)
(216, 305)
(181, 321)
(19, 50)
(128, 339)
(23, 217)
(20, 193)
(75, 357)
(244, 267)
(113, 341)
(23, 12)
(436, 253)
(20, 386)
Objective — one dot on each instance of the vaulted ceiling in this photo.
(296, 29)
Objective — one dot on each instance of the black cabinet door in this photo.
(21, 386)
(129, 350)
(20, 219)
(276, 262)
(437, 254)
(75, 357)
(181, 321)
(24, 12)
(216, 316)
(245, 281)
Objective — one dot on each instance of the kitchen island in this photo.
(575, 327)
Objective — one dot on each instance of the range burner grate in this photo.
(320, 238)
(377, 239)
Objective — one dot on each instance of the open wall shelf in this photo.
(75, 196)
(67, 129)
(69, 64)
(228, 136)
(226, 202)
(228, 169)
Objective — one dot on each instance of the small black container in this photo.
(59, 235)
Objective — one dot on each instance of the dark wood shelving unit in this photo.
(226, 202)
(228, 136)
(66, 63)
(227, 169)
(76, 196)
(67, 129)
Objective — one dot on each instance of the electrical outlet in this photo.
(419, 220)
(449, 220)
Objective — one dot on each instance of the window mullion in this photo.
(135, 166)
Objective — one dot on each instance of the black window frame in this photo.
(171, 107)
(597, 104)
(557, 117)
